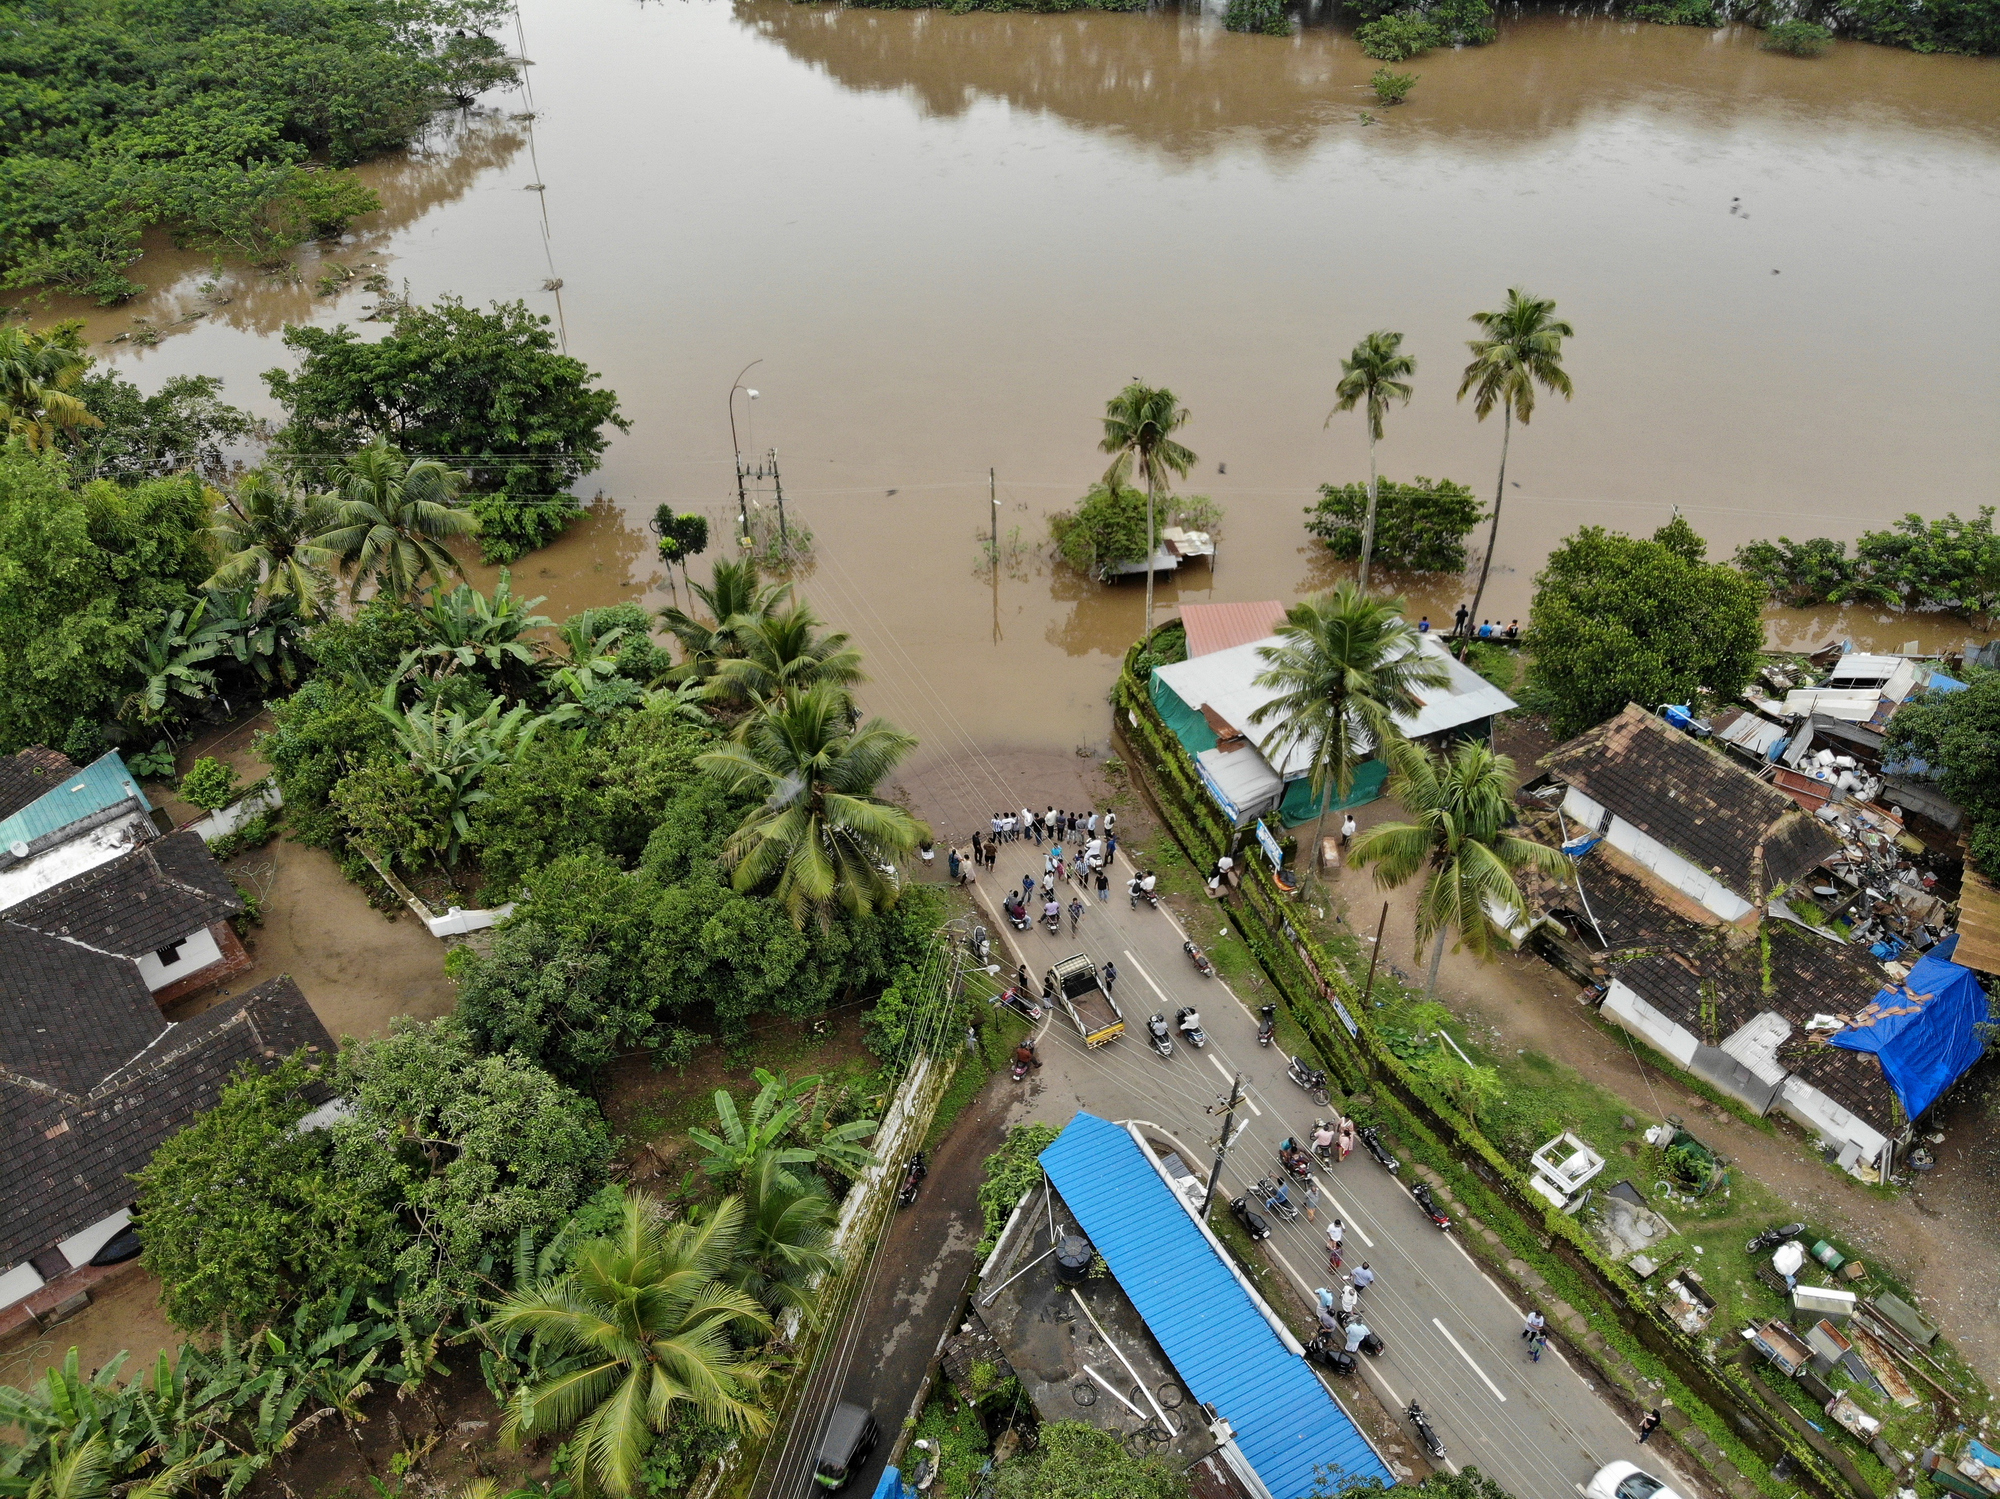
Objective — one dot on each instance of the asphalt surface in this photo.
(1453, 1336)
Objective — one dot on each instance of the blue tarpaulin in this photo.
(1923, 1031)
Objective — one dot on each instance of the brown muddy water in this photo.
(950, 238)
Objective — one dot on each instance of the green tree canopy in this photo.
(483, 392)
(1957, 735)
(184, 425)
(1419, 527)
(1619, 619)
(1076, 1461)
(1948, 563)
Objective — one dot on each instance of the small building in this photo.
(1210, 702)
(57, 821)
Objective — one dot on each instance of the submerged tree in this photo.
(1377, 372)
(391, 517)
(268, 532)
(1139, 426)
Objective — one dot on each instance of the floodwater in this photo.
(948, 239)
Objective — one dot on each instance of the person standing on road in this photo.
(957, 868)
(1336, 1236)
(1075, 915)
(1110, 975)
(997, 826)
(1534, 1325)
(1110, 823)
(1110, 850)
(1103, 887)
(1649, 1425)
(1022, 982)
(1312, 1200)
(1027, 886)
(992, 856)
(1346, 1136)
(1364, 1277)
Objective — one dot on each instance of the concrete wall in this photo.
(1815, 1110)
(1648, 1024)
(19, 1283)
(198, 951)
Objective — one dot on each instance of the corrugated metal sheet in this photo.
(1218, 1342)
(105, 782)
(1217, 627)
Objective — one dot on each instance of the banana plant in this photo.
(454, 752)
(170, 665)
(743, 1143)
(469, 631)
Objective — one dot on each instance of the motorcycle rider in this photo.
(1146, 885)
(1323, 1138)
(1190, 1020)
(1052, 913)
(1024, 1055)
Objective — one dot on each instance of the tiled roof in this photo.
(138, 903)
(68, 1015)
(30, 775)
(71, 1150)
(1716, 815)
(1628, 914)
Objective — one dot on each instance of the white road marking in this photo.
(1498, 1394)
(1230, 1077)
(1147, 977)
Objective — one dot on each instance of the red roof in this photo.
(1217, 627)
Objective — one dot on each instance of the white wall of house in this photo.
(78, 1248)
(198, 950)
(1756, 1045)
(1648, 1024)
(19, 1283)
(1815, 1110)
(1654, 855)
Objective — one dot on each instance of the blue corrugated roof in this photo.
(1218, 1341)
(105, 782)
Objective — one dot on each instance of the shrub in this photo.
(1265, 16)
(210, 785)
(1419, 527)
(1391, 88)
(1010, 1171)
(1797, 39)
(1394, 38)
(1678, 12)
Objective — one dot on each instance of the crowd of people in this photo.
(1461, 628)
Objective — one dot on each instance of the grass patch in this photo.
(1263, 1275)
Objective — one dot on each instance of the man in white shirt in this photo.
(1031, 824)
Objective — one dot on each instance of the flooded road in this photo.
(950, 238)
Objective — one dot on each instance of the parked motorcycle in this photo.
(1267, 1024)
(913, 1176)
(1372, 1138)
(1329, 1355)
(1188, 1019)
(1309, 1078)
(1156, 1027)
(1425, 1432)
(1361, 1338)
(1275, 1197)
(1021, 1003)
(1200, 959)
(1297, 1162)
(1252, 1220)
(1428, 1203)
(1771, 1238)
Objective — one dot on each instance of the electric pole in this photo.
(993, 494)
(1228, 1109)
(784, 537)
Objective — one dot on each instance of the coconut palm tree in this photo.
(1519, 347)
(1345, 666)
(390, 518)
(735, 602)
(1377, 372)
(38, 373)
(787, 1227)
(648, 1313)
(1139, 427)
(267, 533)
(783, 653)
(1458, 840)
(818, 826)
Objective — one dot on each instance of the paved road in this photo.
(1452, 1334)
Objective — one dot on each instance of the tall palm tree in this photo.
(268, 535)
(735, 602)
(1459, 841)
(390, 516)
(38, 374)
(1377, 372)
(1345, 665)
(649, 1313)
(787, 1227)
(818, 825)
(1519, 347)
(1139, 427)
(783, 653)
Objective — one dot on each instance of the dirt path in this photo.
(1940, 1235)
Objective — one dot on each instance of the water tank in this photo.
(1073, 1257)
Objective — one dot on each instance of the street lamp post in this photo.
(736, 448)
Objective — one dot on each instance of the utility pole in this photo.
(1380, 927)
(784, 536)
(993, 494)
(1228, 1108)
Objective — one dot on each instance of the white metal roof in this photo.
(1245, 777)
(1223, 681)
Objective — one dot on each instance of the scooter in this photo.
(1017, 915)
(1202, 966)
(1309, 1078)
(1267, 1024)
(1138, 893)
(1361, 1338)
(913, 1176)
(1325, 1154)
(1252, 1220)
(1772, 1237)
(1277, 1199)
(1189, 1022)
(1425, 1433)
(1053, 922)
(1021, 1068)
(1329, 1355)
(1372, 1138)
(1428, 1203)
(1019, 1001)
(1156, 1027)
(1296, 1161)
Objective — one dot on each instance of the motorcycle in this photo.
(1770, 1238)
(1017, 915)
(1296, 1161)
(1309, 1078)
(1188, 1020)
(1021, 1068)
(1137, 890)
(1200, 959)
(1053, 921)
(1325, 1154)
(1267, 1024)
(1372, 1138)
(1277, 1199)
(1425, 1433)
(1018, 1000)
(913, 1176)
(1156, 1027)
(1252, 1220)
(1362, 1338)
(1328, 1354)
(1428, 1203)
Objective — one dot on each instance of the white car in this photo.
(1627, 1481)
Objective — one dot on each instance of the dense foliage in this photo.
(1949, 564)
(1010, 1171)
(1971, 26)
(1619, 619)
(1266, 16)
(485, 392)
(213, 120)
(1391, 32)
(184, 425)
(1077, 1461)
(1419, 527)
(1107, 528)
(1956, 737)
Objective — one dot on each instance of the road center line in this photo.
(1230, 1077)
(1497, 1393)
(1148, 978)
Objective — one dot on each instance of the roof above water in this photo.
(1217, 627)
(100, 785)
(1226, 1354)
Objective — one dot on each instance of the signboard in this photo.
(1270, 846)
(1345, 1018)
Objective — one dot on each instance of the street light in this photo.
(742, 502)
